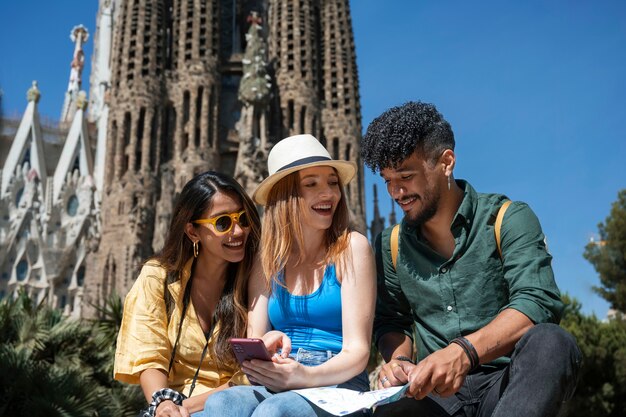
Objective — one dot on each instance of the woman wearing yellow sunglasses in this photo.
(190, 299)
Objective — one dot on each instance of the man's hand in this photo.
(394, 373)
(441, 372)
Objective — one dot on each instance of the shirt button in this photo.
(449, 308)
(444, 270)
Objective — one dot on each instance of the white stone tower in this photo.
(79, 36)
(99, 85)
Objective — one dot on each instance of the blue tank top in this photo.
(311, 321)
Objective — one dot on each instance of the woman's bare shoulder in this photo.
(358, 242)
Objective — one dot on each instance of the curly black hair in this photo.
(397, 133)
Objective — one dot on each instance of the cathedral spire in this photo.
(27, 146)
(76, 152)
(378, 223)
(79, 36)
(99, 87)
(392, 215)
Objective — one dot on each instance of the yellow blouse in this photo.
(146, 339)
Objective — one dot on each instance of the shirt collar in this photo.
(468, 207)
(177, 286)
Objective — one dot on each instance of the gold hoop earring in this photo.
(195, 249)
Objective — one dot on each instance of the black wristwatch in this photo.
(404, 358)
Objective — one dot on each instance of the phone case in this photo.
(246, 349)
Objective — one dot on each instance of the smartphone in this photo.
(251, 348)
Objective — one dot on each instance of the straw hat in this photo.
(295, 153)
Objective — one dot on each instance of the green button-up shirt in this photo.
(448, 298)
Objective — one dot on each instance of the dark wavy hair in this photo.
(231, 311)
(400, 131)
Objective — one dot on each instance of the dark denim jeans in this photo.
(541, 376)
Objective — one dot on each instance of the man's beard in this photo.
(430, 202)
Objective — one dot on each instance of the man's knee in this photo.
(551, 345)
(551, 337)
(411, 407)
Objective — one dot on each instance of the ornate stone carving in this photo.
(33, 93)
(81, 100)
(255, 86)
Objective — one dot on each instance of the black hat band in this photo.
(304, 161)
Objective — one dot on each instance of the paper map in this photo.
(342, 401)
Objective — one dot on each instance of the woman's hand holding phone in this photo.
(278, 375)
(276, 371)
(246, 350)
(283, 373)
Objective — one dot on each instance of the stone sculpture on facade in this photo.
(255, 94)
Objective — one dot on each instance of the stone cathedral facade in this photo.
(183, 86)
(48, 215)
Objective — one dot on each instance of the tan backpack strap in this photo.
(394, 244)
(498, 225)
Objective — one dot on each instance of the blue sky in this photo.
(535, 92)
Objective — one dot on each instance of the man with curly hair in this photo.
(484, 323)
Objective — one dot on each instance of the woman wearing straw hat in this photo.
(313, 291)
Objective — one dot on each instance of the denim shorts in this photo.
(316, 357)
(311, 357)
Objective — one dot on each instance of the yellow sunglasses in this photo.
(225, 222)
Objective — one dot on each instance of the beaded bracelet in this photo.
(469, 350)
